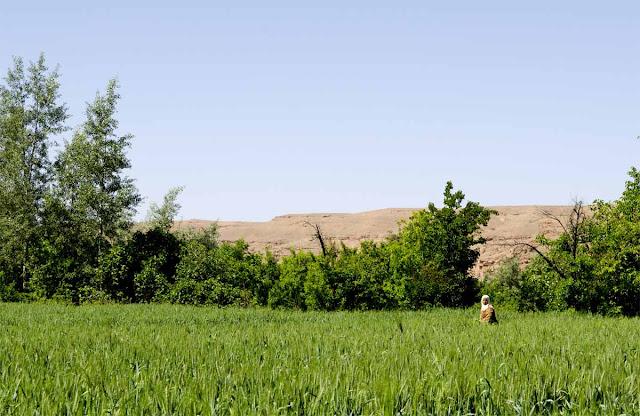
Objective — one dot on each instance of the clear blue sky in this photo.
(265, 108)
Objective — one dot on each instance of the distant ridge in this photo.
(512, 224)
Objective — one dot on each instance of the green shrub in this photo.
(184, 292)
(114, 275)
(8, 292)
(288, 291)
(151, 284)
(318, 294)
(504, 285)
(215, 292)
(366, 279)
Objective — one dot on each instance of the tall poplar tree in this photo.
(92, 178)
(31, 115)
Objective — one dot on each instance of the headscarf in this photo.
(483, 306)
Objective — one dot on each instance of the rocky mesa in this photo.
(513, 224)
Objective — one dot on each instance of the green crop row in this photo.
(161, 359)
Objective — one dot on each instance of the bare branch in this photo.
(540, 253)
(318, 235)
(550, 215)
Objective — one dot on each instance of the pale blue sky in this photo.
(345, 106)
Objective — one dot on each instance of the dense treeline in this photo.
(593, 266)
(67, 233)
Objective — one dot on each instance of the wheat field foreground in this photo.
(161, 359)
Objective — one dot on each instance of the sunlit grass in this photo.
(160, 359)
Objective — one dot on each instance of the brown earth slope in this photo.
(512, 224)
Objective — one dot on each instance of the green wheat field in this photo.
(162, 359)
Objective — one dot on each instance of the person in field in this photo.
(487, 313)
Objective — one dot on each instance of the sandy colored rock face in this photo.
(512, 224)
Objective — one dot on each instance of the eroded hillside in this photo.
(513, 224)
